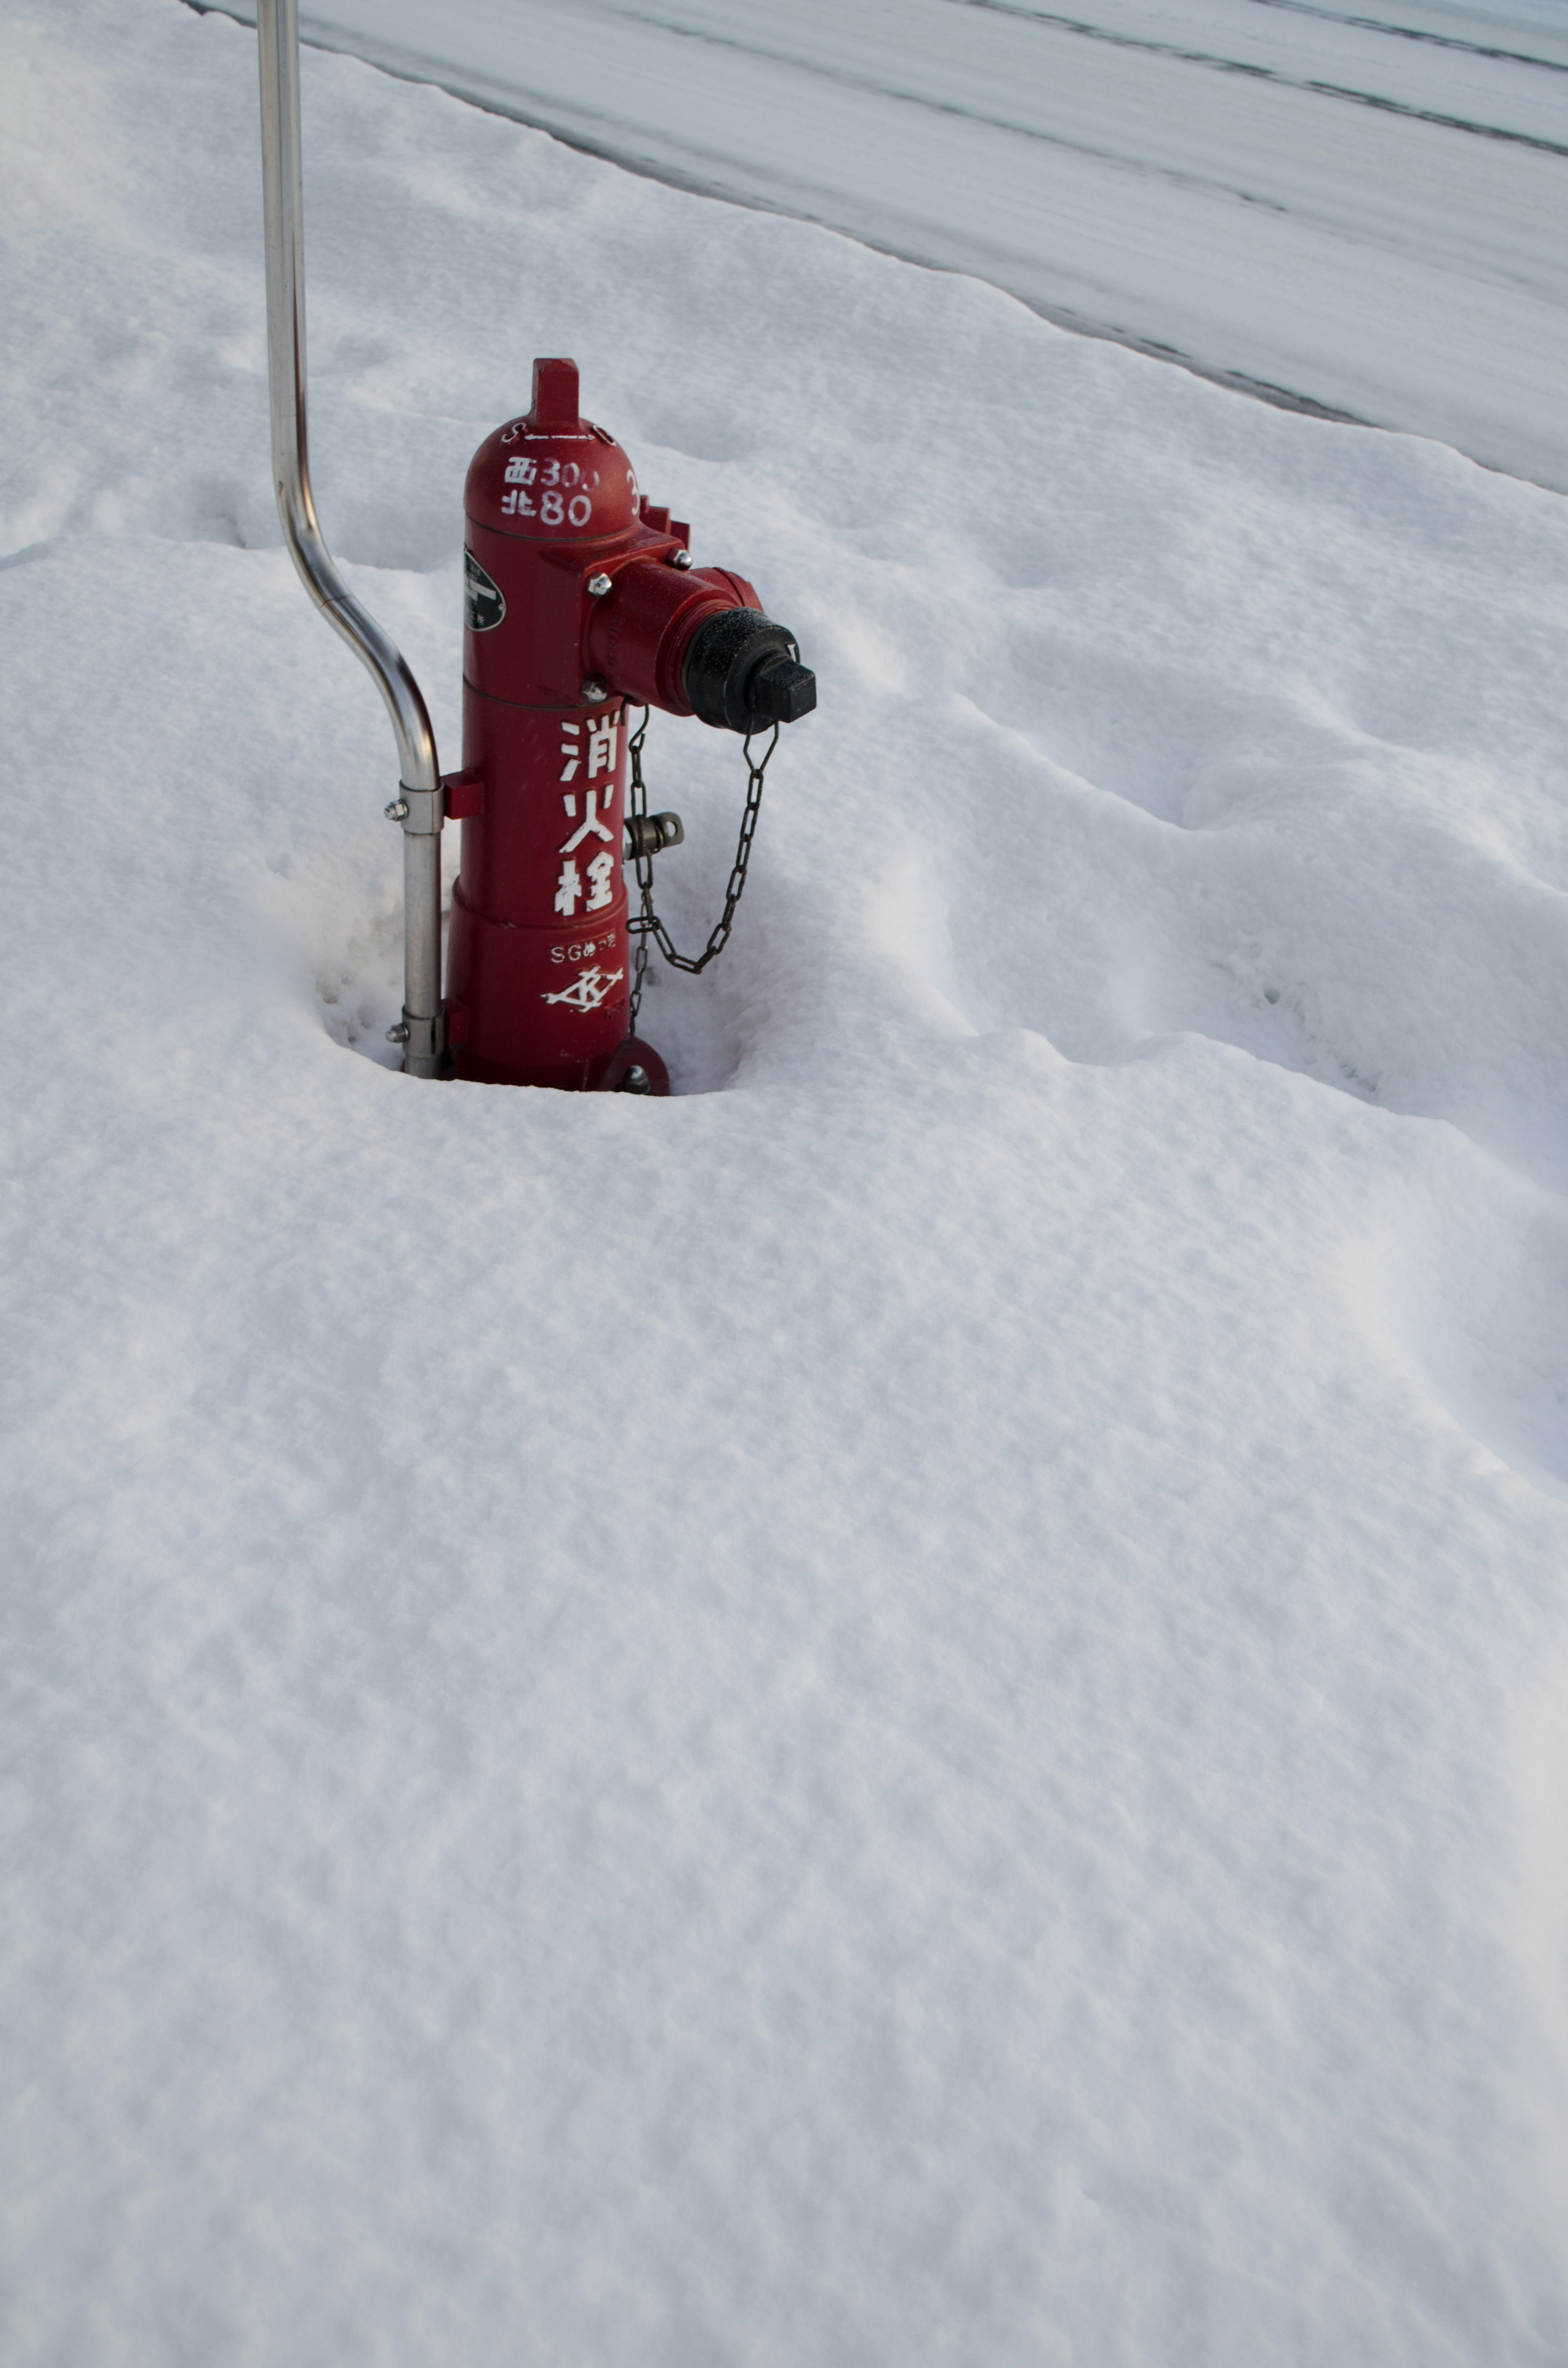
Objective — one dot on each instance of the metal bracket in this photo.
(424, 1042)
(421, 812)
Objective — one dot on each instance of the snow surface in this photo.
(913, 1707)
(1365, 206)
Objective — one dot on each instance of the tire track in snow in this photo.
(1412, 33)
(871, 87)
(1218, 64)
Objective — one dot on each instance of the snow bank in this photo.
(908, 1708)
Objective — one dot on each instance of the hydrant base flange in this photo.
(633, 1068)
(636, 1068)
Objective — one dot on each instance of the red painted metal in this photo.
(539, 960)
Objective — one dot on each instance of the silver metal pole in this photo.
(419, 805)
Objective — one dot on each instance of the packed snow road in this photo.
(1366, 210)
(910, 1710)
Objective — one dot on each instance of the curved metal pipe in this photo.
(419, 808)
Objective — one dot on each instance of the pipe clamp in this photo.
(424, 811)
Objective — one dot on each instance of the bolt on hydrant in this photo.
(581, 600)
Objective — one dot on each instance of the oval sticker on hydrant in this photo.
(483, 606)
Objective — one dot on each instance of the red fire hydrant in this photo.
(580, 598)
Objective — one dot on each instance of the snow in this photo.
(910, 1707)
(1361, 207)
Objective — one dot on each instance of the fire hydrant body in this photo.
(581, 599)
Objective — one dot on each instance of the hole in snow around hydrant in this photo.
(358, 987)
(358, 991)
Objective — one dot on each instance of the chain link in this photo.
(647, 924)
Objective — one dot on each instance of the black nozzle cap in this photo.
(743, 673)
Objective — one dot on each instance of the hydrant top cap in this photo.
(551, 474)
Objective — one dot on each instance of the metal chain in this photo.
(647, 924)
